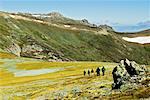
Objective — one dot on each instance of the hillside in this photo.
(136, 34)
(57, 38)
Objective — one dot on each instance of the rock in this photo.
(108, 28)
(128, 86)
(39, 52)
(85, 21)
(127, 71)
(93, 25)
(14, 48)
(60, 94)
(76, 90)
(55, 14)
(133, 68)
(32, 50)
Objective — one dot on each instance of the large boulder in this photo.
(127, 72)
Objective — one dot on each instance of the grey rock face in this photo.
(127, 71)
(32, 50)
(108, 28)
(37, 51)
(15, 49)
(85, 21)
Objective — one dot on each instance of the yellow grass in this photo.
(1, 63)
(74, 69)
(61, 78)
(39, 65)
(6, 55)
(4, 74)
(70, 77)
(46, 84)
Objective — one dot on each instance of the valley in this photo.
(49, 84)
(43, 56)
(67, 82)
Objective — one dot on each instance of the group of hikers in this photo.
(97, 71)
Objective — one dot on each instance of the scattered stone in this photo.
(76, 91)
(60, 94)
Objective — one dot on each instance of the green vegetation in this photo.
(65, 43)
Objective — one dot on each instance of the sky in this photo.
(96, 11)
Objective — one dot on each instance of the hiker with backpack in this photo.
(103, 70)
(98, 71)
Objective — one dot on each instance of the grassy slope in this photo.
(137, 34)
(72, 44)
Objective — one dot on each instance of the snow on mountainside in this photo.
(141, 40)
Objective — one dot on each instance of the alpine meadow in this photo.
(48, 56)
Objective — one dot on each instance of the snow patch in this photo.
(34, 15)
(141, 40)
(67, 26)
(40, 16)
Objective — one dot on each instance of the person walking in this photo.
(92, 71)
(103, 70)
(89, 72)
(98, 71)
(84, 72)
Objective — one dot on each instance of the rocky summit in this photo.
(128, 73)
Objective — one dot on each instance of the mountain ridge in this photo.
(66, 40)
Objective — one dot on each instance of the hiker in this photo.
(98, 71)
(84, 72)
(103, 70)
(92, 71)
(89, 72)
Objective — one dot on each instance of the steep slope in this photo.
(42, 39)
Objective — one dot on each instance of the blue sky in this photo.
(97, 11)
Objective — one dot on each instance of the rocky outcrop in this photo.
(37, 51)
(128, 72)
(55, 14)
(106, 27)
(33, 50)
(14, 49)
(85, 21)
